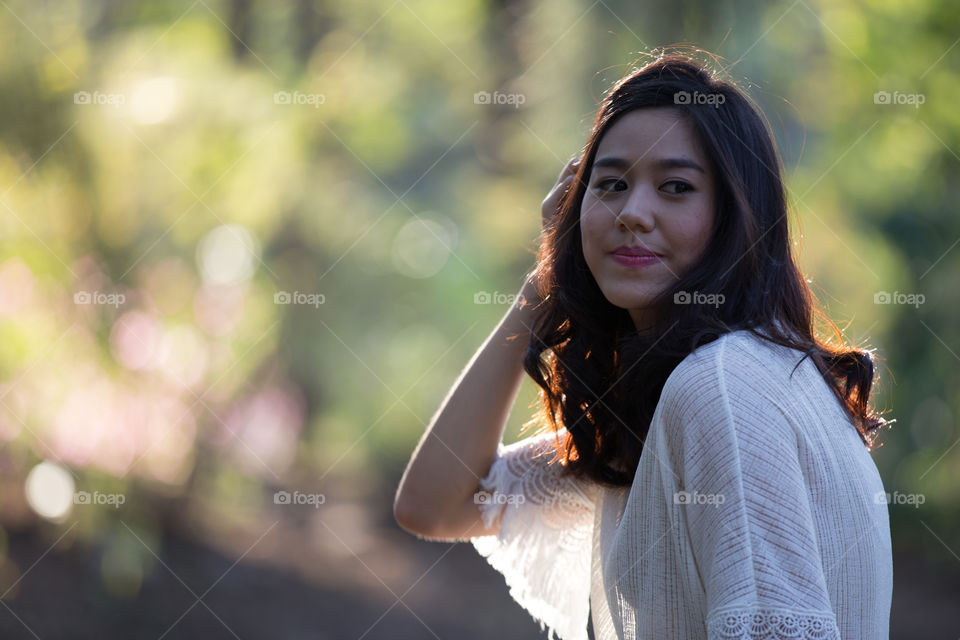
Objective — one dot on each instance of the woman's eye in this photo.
(602, 184)
(682, 186)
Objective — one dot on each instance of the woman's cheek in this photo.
(589, 235)
(590, 222)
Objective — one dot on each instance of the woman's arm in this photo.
(436, 494)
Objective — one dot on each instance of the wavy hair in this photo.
(598, 376)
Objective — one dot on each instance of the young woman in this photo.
(711, 476)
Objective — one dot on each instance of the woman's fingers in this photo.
(551, 203)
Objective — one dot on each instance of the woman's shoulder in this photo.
(739, 360)
(742, 346)
(739, 381)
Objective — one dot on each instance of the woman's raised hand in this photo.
(551, 204)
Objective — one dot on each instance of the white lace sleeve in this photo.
(544, 544)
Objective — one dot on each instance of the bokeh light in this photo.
(49, 489)
(422, 246)
(154, 100)
(227, 254)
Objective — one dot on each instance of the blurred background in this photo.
(246, 247)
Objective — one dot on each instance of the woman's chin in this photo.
(627, 298)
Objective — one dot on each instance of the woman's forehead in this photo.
(656, 131)
(662, 140)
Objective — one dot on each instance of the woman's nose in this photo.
(638, 210)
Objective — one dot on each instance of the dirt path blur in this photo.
(344, 573)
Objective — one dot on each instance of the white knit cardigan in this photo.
(756, 513)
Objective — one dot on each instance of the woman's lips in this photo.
(636, 261)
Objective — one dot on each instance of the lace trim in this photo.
(771, 624)
(543, 548)
(564, 505)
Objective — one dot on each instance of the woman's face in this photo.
(651, 189)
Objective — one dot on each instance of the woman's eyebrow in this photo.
(661, 163)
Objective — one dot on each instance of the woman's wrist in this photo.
(519, 318)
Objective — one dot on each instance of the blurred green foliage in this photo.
(201, 159)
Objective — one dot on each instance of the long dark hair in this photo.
(598, 376)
